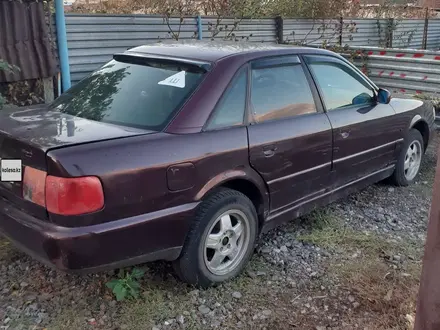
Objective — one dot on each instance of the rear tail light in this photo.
(34, 182)
(71, 196)
(65, 196)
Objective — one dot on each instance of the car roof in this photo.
(212, 51)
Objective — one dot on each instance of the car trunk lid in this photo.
(28, 133)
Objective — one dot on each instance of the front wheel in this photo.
(410, 159)
(221, 240)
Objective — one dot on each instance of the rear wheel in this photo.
(410, 159)
(221, 240)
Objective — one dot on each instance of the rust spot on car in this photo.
(219, 179)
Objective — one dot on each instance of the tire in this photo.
(196, 264)
(400, 176)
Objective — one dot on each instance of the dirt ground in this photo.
(352, 265)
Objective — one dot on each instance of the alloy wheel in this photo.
(226, 242)
(413, 159)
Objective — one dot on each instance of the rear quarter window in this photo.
(230, 110)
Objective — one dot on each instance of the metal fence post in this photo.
(279, 26)
(341, 29)
(62, 44)
(389, 33)
(199, 27)
(425, 31)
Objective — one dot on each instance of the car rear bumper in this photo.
(155, 236)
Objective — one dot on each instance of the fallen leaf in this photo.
(389, 295)
(410, 319)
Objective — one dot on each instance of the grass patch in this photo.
(155, 305)
(155, 308)
(70, 318)
(320, 219)
(389, 295)
(347, 239)
(5, 247)
(383, 289)
(327, 232)
(7, 250)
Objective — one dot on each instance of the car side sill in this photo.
(323, 199)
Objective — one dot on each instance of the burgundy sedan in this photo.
(188, 152)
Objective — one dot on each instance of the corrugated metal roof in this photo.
(24, 41)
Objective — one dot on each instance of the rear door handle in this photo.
(269, 151)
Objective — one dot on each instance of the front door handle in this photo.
(269, 151)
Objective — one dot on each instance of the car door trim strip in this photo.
(367, 151)
(299, 173)
(335, 161)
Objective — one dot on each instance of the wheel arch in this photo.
(422, 126)
(248, 183)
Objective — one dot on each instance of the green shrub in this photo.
(5, 66)
(127, 285)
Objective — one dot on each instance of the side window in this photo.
(340, 85)
(230, 109)
(280, 92)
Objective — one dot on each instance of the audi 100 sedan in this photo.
(187, 152)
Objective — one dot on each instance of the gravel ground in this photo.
(351, 265)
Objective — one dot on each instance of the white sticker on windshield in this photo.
(176, 80)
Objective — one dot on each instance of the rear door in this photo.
(364, 131)
(290, 137)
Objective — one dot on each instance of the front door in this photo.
(364, 131)
(290, 138)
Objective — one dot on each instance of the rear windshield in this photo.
(129, 93)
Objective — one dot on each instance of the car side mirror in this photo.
(360, 99)
(383, 96)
